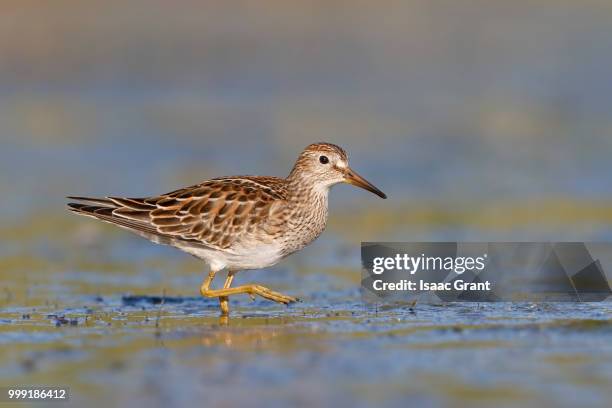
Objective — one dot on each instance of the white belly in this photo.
(256, 257)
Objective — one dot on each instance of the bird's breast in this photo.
(305, 222)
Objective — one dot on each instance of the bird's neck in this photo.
(302, 191)
(307, 210)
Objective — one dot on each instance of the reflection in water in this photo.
(246, 339)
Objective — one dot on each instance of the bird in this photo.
(237, 223)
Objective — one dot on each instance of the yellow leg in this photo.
(251, 290)
(223, 300)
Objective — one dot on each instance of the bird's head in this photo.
(324, 164)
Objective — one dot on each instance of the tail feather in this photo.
(91, 210)
(110, 212)
(132, 214)
(132, 203)
(102, 201)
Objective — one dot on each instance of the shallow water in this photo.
(328, 350)
(130, 328)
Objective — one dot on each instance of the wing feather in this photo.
(216, 213)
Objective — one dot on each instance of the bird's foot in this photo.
(251, 290)
(271, 295)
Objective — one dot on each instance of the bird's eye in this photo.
(323, 160)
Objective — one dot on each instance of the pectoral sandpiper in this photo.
(237, 223)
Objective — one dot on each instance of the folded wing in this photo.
(214, 214)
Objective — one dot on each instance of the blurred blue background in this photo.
(446, 101)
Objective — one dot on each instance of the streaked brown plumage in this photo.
(240, 222)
